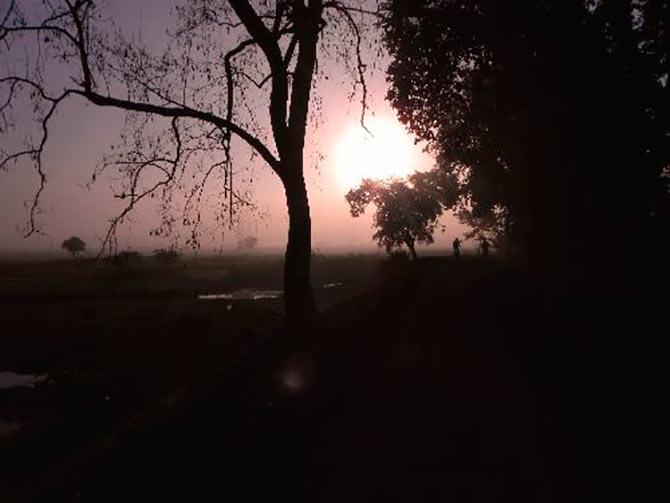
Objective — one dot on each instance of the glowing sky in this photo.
(339, 154)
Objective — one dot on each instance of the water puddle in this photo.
(9, 428)
(10, 380)
(244, 294)
(259, 294)
(331, 285)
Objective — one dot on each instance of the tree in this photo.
(247, 244)
(551, 114)
(191, 101)
(74, 245)
(407, 210)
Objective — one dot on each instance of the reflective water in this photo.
(244, 294)
(257, 293)
(13, 380)
(9, 428)
(334, 284)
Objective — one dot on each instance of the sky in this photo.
(81, 134)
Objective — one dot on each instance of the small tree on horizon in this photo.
(74, 245)
(247, 244)
(407, 210)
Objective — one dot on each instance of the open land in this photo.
(440, 380)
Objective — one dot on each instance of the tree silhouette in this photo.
(247, 244)
(187, 105)
(551, 114)
(407, 210)
(74, 245)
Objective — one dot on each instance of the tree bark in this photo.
(298, 293)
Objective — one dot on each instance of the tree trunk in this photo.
(298, 294)
(412, 250)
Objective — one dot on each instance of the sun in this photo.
(385, 151)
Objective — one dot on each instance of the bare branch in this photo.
(45, 26)
(259, 32)
(184, 112)
(34, 152)
(339, 5)
(268, 44)
(134, 197)
(360, 65)
(81, 38)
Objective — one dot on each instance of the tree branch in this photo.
(360, 65)
(134, 197)
(164, 111)
(81, 39)
(308, 34)
(268, 44)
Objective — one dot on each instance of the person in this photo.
(485, 247)
(457, 247)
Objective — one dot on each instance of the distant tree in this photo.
(407, 210)
(489, 226)
(166, 256)
(74, 245)
(247, 244)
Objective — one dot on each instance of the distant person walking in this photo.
(457, 247)
(485, 247)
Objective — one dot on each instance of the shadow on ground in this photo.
(443, 380)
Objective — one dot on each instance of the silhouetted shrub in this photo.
(74, 245)
(247, 244)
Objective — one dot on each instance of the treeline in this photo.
(548, 119)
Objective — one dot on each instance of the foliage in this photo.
(490, 226)
(74, 245)
(407, 210)
(550, 114)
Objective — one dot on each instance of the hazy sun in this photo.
(386, 151)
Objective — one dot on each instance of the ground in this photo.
(441, 380)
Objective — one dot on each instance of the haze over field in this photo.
(193, 305)
(339, 153)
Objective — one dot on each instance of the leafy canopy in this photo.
(551, 114)
(74, 245)
(406, 210)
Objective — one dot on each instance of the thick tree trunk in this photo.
(298, 294)
(290, 139)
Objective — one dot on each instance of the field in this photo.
(429, 381)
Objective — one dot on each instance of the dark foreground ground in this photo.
(444, 380)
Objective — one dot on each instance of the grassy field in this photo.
(441, 380)
(115, 341)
